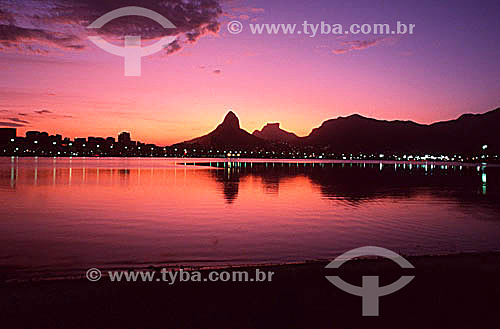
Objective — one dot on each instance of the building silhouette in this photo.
(7, 134)
(124, 138)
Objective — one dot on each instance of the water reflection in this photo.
(229, 180)
(356, 183)
(69, 214)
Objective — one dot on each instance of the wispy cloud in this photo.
(244, 13)
(10, 124)
(18, 120)
(42, 111)
(248, 9)
(348, 46)
(10, 118)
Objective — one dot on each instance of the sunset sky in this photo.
(54, 79)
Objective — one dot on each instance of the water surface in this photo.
(62, 216)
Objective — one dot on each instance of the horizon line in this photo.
(268, 123)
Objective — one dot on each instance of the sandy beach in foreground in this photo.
(453, 291)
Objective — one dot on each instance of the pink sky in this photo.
(295, 80)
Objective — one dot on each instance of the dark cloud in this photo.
(173, 47)
(10, 124)
(12, 36)
(17, 120)
(217, 71)
(5, 17)
(63, 23)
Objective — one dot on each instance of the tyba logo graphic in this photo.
(370, 290)
(132, 52)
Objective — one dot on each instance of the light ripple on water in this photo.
(64, 215)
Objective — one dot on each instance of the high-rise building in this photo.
(6, 134)
(124, 138)
(32, 135)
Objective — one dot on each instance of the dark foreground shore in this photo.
(456, 291)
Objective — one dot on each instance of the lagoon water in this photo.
(61, 216)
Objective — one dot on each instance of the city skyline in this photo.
(129, 132)
(468, 138)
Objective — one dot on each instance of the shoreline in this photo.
(459, 291)
(191, 161)
(231, 267)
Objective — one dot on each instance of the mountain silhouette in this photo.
(273, 132)
(468, 133)
(228, 134)
(358, 134)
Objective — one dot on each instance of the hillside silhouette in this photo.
(228, 134)
(358, 134)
